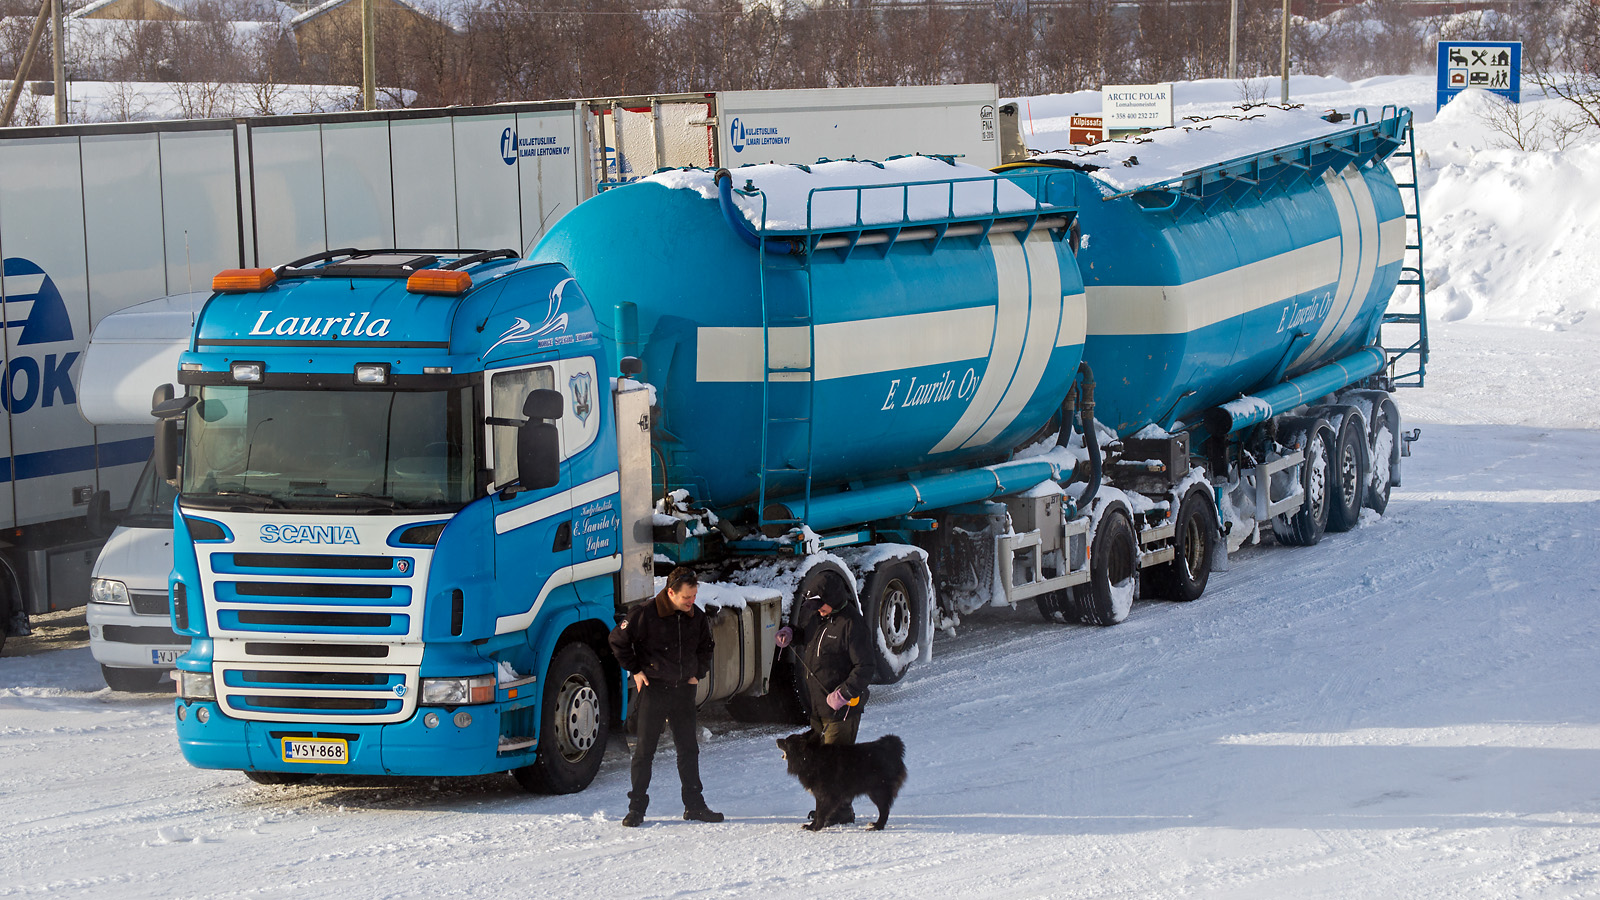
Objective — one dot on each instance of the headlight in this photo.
(196, 686)
(457, 691)
(104, 590)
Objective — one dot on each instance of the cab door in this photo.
(533, 528)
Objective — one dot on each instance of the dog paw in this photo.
(875, 826)
(812, 826)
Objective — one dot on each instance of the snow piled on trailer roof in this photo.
(1194, 143)
(793, 201)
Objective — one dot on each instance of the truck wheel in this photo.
(780, 705)
(1185, 578)
(1347, 481)
(574, 724)
(138, 681)
(277, 777)
(1384, 453)
(1107, 597)
(1305, 526)
(896, 601)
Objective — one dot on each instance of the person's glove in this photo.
(836, 699)
(784, 637)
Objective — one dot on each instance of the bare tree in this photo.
(1572, 71)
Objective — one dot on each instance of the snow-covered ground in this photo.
(1406, 711)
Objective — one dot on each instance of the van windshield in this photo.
(330, 450)
(151, 506)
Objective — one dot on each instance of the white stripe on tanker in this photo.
(1011, 335)
(1044, 322)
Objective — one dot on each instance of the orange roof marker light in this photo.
(439, 281)
(236, 280)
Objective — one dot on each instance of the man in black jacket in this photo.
(666, 644)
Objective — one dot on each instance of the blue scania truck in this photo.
(418, 487)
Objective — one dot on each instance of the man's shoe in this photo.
(702, 815)
(632, 819)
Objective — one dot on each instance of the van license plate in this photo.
(165, 657)
(316, 750)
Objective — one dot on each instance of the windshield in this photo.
(332, 450)
(151, 505)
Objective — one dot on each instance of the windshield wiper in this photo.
(386, 502)
(234, 500)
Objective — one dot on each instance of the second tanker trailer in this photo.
(912, 385)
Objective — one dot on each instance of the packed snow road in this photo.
(1409, 710)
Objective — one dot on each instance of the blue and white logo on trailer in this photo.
(1494, 66)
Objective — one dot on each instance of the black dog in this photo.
(837, 774)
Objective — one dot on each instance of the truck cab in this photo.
(397, 534)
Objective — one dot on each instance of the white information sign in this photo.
(1135, 106)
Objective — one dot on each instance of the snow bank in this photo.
(797, 197)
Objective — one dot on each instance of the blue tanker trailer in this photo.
(419, 486)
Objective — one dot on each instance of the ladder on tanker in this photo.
(1404, 335)
(788, 395)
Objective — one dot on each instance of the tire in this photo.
(1350, 470)
(1384, 452)
(574, 724)
(277, 777)
(136, 681)
(895, 602)
(1184, 579)
(780, 705)
(1107, 597)
(1305, 526)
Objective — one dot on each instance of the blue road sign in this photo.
(1494, 66)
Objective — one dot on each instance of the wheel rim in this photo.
(1349, 473)
(1317, 489)
(578, 723)
(894, 615)
(1194, 551)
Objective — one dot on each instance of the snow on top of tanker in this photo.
(789, 188)
(1168, 154)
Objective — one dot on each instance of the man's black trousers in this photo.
(659, 705)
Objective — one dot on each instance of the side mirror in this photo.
(100, 520)
(166, 452)
(538, 456)
(539, 441)
(168, 410)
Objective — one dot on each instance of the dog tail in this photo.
(894, 745)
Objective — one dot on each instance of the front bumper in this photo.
(396, 748)
(120, 638)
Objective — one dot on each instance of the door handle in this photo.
(563, 538)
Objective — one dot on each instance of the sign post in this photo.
(1134, 108)
(1494, 66)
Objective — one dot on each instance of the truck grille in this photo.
(307, 637)
(149, 604)
(288, 693)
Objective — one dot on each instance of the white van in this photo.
(130, 624)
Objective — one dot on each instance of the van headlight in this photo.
(457, 691)
(104, 590)
(196, 686)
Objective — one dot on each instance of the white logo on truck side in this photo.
(306, 326)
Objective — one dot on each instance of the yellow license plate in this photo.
(332, 751)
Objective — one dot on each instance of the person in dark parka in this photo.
(837, 664)
(666, 644)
